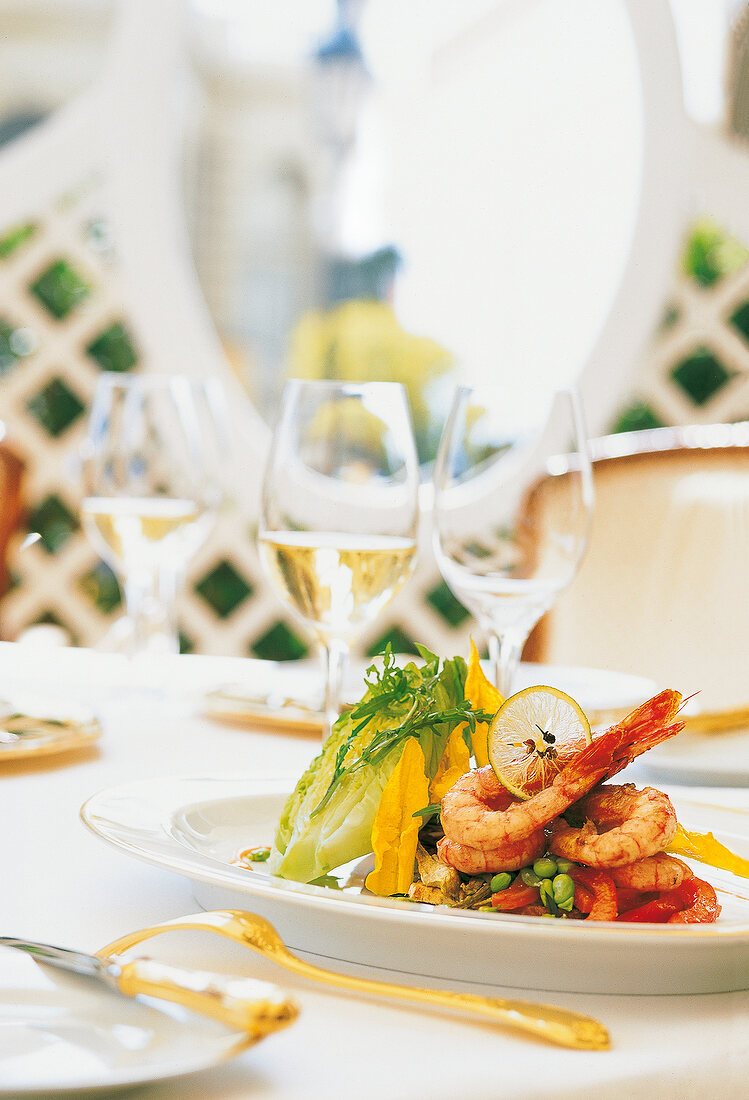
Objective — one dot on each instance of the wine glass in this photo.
(338, 529)
(513, 501)
(151, 492)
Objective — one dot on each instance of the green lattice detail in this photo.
(280, 643)
(60, 289)
(740, 320)
(447, 605)
(11, 241)
(102, 588)
(53, 521)
(224, 589)
(113, 349)
(637, 417)
(711, 253)
(55, 407)
(700, 376)
(396, 637)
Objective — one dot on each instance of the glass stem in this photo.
(335, 658)
(504, 654)
(169, 584)
(150, 600)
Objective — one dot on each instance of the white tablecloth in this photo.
(61, 884)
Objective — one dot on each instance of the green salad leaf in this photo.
(327, 820)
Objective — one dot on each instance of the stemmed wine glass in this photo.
(338, 529)
(152, 487)
(513, 501)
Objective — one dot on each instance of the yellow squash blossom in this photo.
(705, 848)
(456, 761)
(395, 832)
(482, 695)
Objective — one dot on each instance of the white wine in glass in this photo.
(513, 501)
(141, 531)
(152, 489)
(338, 530)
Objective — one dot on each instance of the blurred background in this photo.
(427, 192)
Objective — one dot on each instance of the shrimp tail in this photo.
(655, 713)
(649, 725)
(650, 741)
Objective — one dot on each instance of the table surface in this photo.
(61, 884)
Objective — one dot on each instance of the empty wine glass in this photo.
(338, 530)
(512, 509)
(151, 478)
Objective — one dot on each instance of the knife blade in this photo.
(258, 1008)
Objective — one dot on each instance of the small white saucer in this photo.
(61, 1033)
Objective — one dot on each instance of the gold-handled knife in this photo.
(255, 1007)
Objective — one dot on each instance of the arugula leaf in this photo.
(427, 811)
(429, 712)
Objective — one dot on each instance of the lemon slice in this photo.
(535, 734)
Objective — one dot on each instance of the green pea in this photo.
(257, 855)
(545, 889)
(486, 909)
(545, 867)
(564, 866)
(500, 882)
(563, 889)
(529, 877)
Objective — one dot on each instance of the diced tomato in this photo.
(584, 898)
(693, 902)
(699, 903)
(628, 898)
(515, 896)
(657, 911)
(603, 889)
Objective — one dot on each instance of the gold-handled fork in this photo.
(556, 1025)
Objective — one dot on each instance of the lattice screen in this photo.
(697, 371)
(61, 323)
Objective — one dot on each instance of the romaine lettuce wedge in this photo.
(327, 820)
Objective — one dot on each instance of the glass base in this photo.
(121, 638)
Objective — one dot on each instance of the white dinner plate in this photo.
(61, 1033)
(701, 759)
(197, 827)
